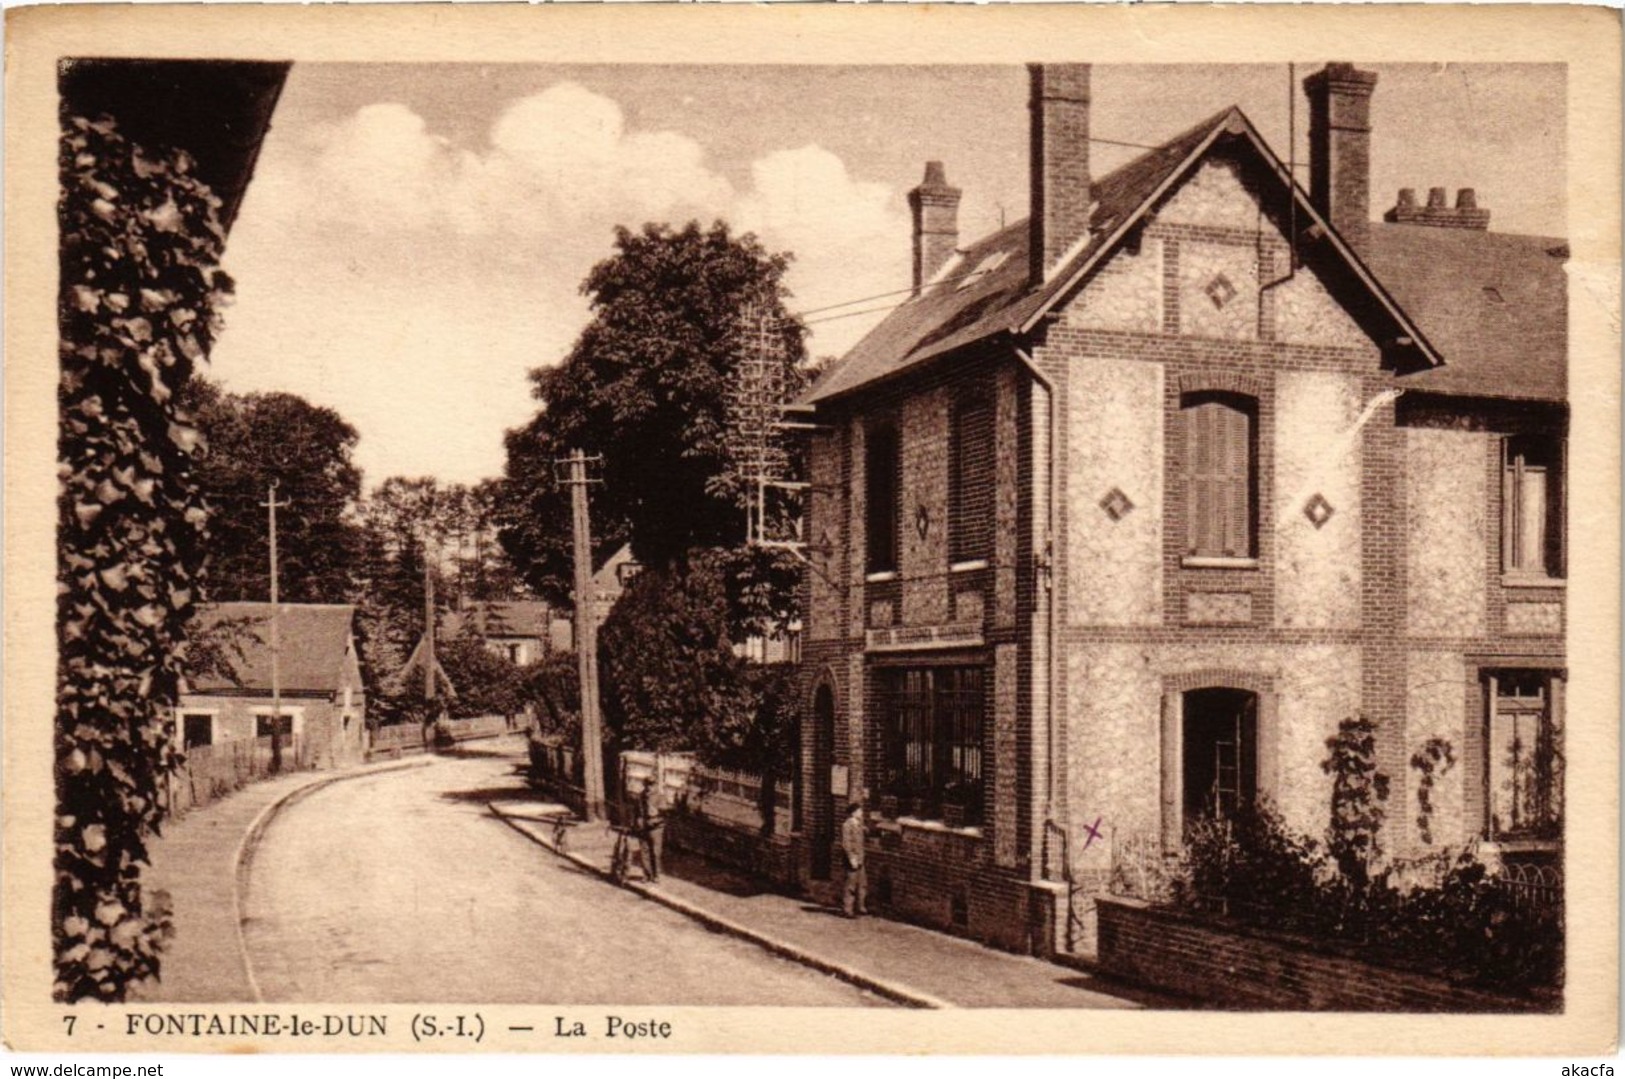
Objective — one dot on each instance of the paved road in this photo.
(402, 888)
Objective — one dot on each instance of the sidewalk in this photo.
(197, 861)
(904, 963)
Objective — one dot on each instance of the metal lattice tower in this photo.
(755, 410)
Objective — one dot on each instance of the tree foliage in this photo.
(255, 439)
(139, 286)
(647, 387)
(671, 680)
(488, 684)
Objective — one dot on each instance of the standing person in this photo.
(651, 825)
(855, 900)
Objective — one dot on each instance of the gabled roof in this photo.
(504, 618)
(1495, 304)
(314, 637)
(946, 317)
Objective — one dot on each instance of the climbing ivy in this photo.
(1436, 757)
(140, 246)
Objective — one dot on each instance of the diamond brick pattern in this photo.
(1318, 510)
(1220, 291)
(1116, 504)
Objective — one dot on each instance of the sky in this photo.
(415, 236)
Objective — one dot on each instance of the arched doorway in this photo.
(1219, 752)
(820, 808)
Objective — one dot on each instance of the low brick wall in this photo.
(742, 847)
(1242, 969)
(945, 879)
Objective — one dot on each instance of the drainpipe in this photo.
(1052, 657)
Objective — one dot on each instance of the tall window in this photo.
(931, 732)
(1525, 746)
(1532, 506)
(971, 479)
(1221, 488)
(882, 478)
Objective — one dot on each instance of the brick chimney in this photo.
(936, 223)
(1465, 214)
(1340, 149)
(1059, 161)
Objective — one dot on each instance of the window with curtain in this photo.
(971, 478)
(882, 478)
(1532, 506)
(1221, 474)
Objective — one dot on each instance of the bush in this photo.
(1463, 924)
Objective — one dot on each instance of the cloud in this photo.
(410, 281)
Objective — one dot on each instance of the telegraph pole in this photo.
(428, 625)
(586, 633)
(272, 505)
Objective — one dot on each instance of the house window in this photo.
(931, 742)
(1532, 506)
(882, 477)
(197, 729)
(1220, 753)
(971, 479)
(1221, 474)
(1525, 747)
(262, 724)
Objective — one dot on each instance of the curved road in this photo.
(400, 887)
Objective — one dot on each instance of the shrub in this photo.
(1448, 916)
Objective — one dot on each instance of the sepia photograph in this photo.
(591, 539)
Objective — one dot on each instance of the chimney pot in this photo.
(1466, 199)
(935, 207)
(1062, 192)
(1407, 197)
(1436, 198)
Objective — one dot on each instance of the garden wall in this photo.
(1241, 969)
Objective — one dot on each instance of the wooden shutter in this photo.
(1219, 479)
(881, 482)
(971, 481)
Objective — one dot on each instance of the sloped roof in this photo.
(314, 637)
(504, 618)
(218, 111)
(1495, 305)
(1487, 311)
(957, 308)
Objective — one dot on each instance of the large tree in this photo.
(255, 439)
(649, 387)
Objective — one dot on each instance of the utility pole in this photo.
(428, 624)
(586, 633)
(272, 505)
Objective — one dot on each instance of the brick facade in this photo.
(1372, 583)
